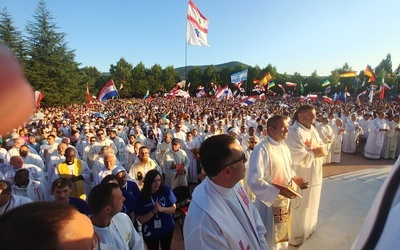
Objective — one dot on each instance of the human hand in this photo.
(320, 151)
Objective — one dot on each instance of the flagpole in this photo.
(186, 45)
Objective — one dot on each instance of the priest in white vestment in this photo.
(336, 149)
(377, 129)
(220, 214)
(307, 151)
(270, 164)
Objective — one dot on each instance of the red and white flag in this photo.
(88, 97)
(38, 97)
(197, 26)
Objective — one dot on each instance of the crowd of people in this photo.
(120, 161)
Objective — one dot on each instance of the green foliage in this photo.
(11, 37)
(51, 67)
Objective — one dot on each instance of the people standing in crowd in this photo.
(77, 171)
(61, 189)
(154, 209)
(307, 151)
(336, 149)
(176, 165)
(350, 138)
(25, 186)
(377, 129)
(8, 200)
(140, 168)
(271, 164)
(113, 227)
(220, 214)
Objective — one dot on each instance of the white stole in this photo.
(214, 205)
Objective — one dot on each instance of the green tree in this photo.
(11, 37)
(94, 78)
(195, 78)
(121, 73)
(385, 64)
(210, 75)
(51, 67)
(154, 79)
(169, 78)
(139, 82)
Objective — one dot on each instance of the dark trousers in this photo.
(165, 241)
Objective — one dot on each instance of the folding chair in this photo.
(183, 198)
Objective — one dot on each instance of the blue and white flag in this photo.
(238, 77)
(107, 91)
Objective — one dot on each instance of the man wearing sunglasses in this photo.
(221, 215)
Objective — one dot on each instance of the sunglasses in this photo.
(243, 159)
(100, 134)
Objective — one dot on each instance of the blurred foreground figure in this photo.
(56, 226)
(16, 95)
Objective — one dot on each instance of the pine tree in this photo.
(51, 67)
(11, 37)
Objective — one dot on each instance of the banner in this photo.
(197, 26)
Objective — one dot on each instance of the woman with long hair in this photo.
(154, 209)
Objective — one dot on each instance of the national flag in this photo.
(249, 100)
(355, 82)
(222, 92)
(302, 98)
(382, 89)
(361, 94)
(283, 89)
(239, 77)
(107, 91)
(326, 83)
(341, 97)
(147, 94)
(301, 89)
(311, 97)
(263, 81)
(371, 93)
(327, 100)
(328, 90)
(368, 72)
(88, 97)
(237, 84)
(38, 98)
(291, 84)
(348, 74)
(270, 85)
(181, 84)
(201, 93)
(196, 27)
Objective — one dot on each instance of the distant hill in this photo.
(181, 70)
(218, 67)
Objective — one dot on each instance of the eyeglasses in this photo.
(243, 159)
(100, 134)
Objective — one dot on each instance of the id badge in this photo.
(157, 224)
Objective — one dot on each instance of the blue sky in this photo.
(292, 35)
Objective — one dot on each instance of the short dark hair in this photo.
(301, 109)
(61, 183)
(109, 178)
(101, 196)
(47, 218)
(5, 186)
(273, 121)
(214, 152)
